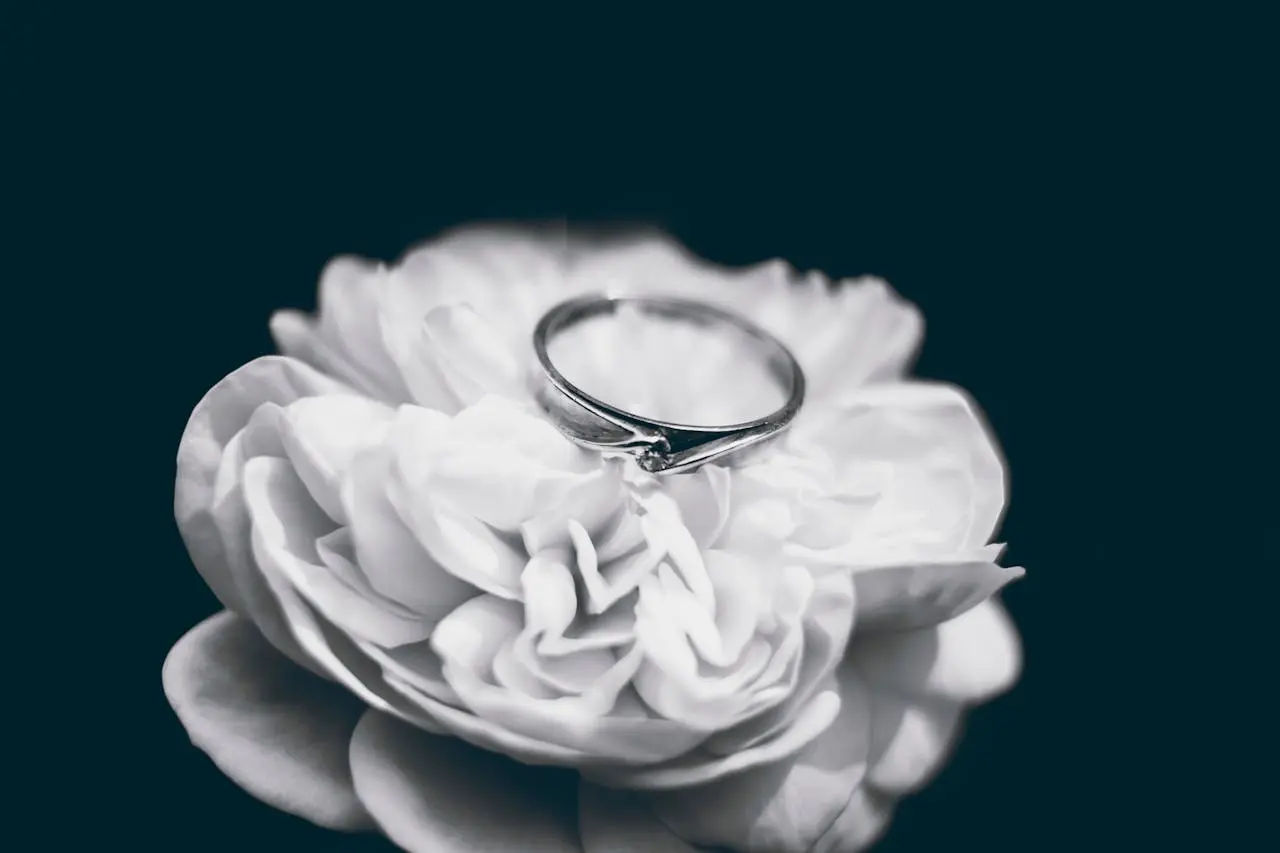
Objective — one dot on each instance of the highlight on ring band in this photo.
(660, 446)
(595, 545)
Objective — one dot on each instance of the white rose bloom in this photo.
(763, 658)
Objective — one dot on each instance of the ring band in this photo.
(660, 447)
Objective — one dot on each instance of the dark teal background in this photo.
(1069, 200)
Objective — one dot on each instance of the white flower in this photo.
(389, 508)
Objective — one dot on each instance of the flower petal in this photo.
(225, 410)
(461, 544)
(970, 658)
(875, 338)
(335, 653)
(260, 437)
(472, 642)
(697, 768)
(438, 795)
(862, 822)
(286, 528)
(472, 356)
(390, 556)
(485, 734)
(274, 729)
(404, 303)
(414, 666)
(827, 626)
(220, 414)
(612, 821)
(323, 434)
(703, 498)
(297, 336)
(471, 636)
(445, 273)
(341, 657)
(911, 740)
(938, 473)
(464, 547)
(350, 291)
(897, 598)
(784, 806)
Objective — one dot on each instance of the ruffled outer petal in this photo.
(859, 825)
(925, 453)
(438, 795)
(911, 739)
(277, 731)
(345, 339)
(216, 420)
(897, 598)
(968, 659)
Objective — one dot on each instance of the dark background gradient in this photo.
(1067, 201)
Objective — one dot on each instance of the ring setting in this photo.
(660, 447)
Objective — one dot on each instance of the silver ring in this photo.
(660, 447)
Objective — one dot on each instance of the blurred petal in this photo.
(594, 500)
(844, 336)
(323, 434)
(277, 731)
(863, 820)
(521, 432)
(494, 485)
(937, 472)
(910, 740)
(296, 336)
(612, 821)
(220, 415)
(472, 356)
(783, 806)
(437, 795)
(896, 598)
(350, 291)
(405, 301)
(968, 659)
(524, 264)
(870, 334)
(393, 560)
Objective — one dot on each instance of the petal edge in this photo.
(274, 729)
